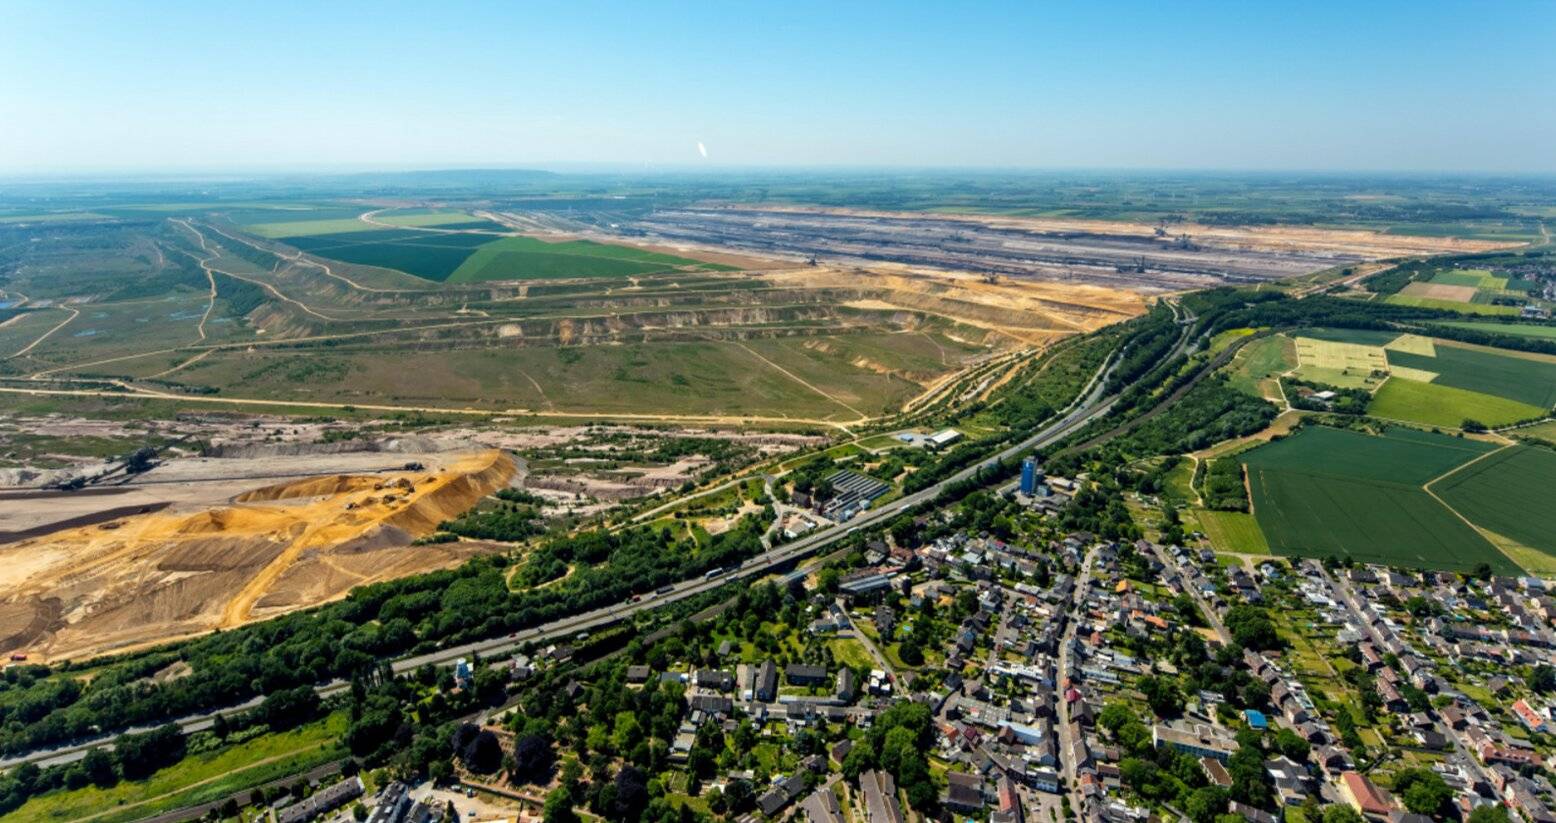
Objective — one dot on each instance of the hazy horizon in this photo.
(184, 88)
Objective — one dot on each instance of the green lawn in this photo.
(1434, 404)
(217, 774)
(851, 653)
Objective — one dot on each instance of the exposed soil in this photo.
(272, 549)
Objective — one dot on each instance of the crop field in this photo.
(1436, 404)
(1519, 330)
(1328, 492)
(1508, 493)
(1450, 305)
(525, 258)
(1351, 365)
(1526, 378)
(1474, 278)
(429, 256)
(1232, 531)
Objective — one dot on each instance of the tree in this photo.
(1205, 803)
(483, 754)
(1486, 813)
(98, 766)
(533, 759)
(1424, 791)
(1252, 628)
(559, 806)
(631, 794)
(1292, 745)
(1162, 694)
(1543, 678)
(1340, 813)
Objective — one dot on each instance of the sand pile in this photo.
(152, 577)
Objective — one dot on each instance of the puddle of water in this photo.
(85, 333)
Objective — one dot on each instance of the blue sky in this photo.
(204, 86)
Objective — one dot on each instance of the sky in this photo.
(176, 86)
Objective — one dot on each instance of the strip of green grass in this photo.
(229, 770)
(1547, 332)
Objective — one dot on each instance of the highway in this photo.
(1090, 405)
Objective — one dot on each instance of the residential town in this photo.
(1044, 676)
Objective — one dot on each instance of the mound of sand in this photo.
(274, 549)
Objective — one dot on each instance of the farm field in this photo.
(1327, 492)
(1547, 332)
(1474, 278)
(1434, 404)
(1540, 431)
(1526, 378)
(1450, 305)
(1508, 493)
(526, 258)
(1232, 531)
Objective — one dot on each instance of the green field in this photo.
(1478, 278)
(525, 258)
(1547, 331)
(1450, 305)
(1328, 492)
(198, 778)
(1508, 493)
(1232, 531)
(1261, 360)
(1435, 404)
(1524, 378)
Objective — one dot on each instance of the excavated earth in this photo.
(148, 578)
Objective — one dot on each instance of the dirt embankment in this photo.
(148, 578)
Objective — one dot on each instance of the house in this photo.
(321, 802)
(1007, 803)
(1202, 741)
(1363, 796)
(765, 688)
(800, 674)
(638, 675)
(1533, 720)
(1216, 772)
(845, 685)
(783, 792)
(715, 680)
(822, 807)
(880, 798)
(1250, 814)
(964, 792)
